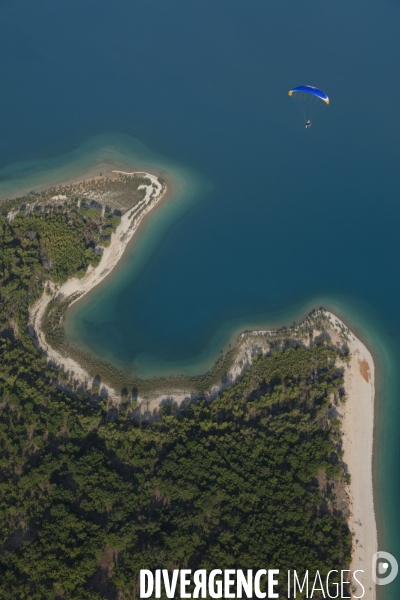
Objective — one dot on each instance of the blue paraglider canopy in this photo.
(309, 89)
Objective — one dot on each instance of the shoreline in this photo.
(166, 194)
(358, 428)
(356, 414)
(92, 174)
(374, 360)
(77, 288)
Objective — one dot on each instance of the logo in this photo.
(383, 567)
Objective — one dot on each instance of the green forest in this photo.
(89, 495)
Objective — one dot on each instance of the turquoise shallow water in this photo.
(268, 220)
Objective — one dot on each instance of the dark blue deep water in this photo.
(278, 219)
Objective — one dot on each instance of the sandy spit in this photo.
(356, 414)
(130, 222)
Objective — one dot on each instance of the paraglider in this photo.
(309, 99)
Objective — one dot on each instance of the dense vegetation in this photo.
(88, 496)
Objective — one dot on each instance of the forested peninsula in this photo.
(245, 471)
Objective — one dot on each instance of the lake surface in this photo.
(268, 219)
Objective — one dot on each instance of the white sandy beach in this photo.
(358, 426)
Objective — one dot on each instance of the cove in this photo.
(272, 219)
